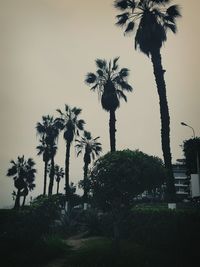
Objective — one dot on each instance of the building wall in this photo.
(195, 186)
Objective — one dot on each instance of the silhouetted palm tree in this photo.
(91, 148)
(110, 82)
(49, 131)
(154, 19)
(71, 126)
(44, 150)
(59, 173)
(23, 173)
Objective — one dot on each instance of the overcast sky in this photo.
(46, 49)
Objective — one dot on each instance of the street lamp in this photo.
(194, 136)
(184, 124)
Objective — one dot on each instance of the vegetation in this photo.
(91, 148)
(144, 235)
(148, 238)
(191, 148)
(23, 173)
(118, 177)
(71, 126)
(48, 130)
(110, 82)
(59, 173)
(154, 20)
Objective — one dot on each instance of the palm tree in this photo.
(59, 173)
(154, 19)
(110, 82)
(91, 148)
(49, 130)
(23, 173)
(44, 150)
(71, 126)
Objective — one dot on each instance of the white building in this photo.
(195, 186)
(181, 180)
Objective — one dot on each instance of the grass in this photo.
(36, 254)
(100, 252)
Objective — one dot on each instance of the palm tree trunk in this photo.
(68, 145)
(57, 191)
(17, 200)
(51, 177)
(165, 121)
(24, 200)
(45, 177)
(112, 131)
(85, 194)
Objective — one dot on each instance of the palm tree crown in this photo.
(110, 83)
(154, 19)
(89, 145)
(70, 122)
(48, 129)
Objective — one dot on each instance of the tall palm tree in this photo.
(49, 130)
(59, 173)
(154, 20)
(23, 173)
(110, 82)
(44, 150)
(71, 125)
(91, 148)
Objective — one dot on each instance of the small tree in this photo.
(59, 173)
(92, 149)
(118, 177)
(191, 148)
(23, 173)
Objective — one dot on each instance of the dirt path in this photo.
(75, 242)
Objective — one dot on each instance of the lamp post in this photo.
(184, 124)
(197, 156)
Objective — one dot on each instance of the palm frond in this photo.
(115, 66)
(125, 86)
(121, 95)
(100, 63)
(59, 111)
(67, 107)
(76, 111)
(79, 152)
(121, 4)
(174, 11)
(90, 78)
(94, 87)
(80, 124)
(87, 135)
(130, 27)
(124, 72)
(122, 19)
(100, 72)
(12, 171)
(171, 26)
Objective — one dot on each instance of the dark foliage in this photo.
(148, 237)
(191, 147)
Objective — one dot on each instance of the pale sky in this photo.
(46, 49)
